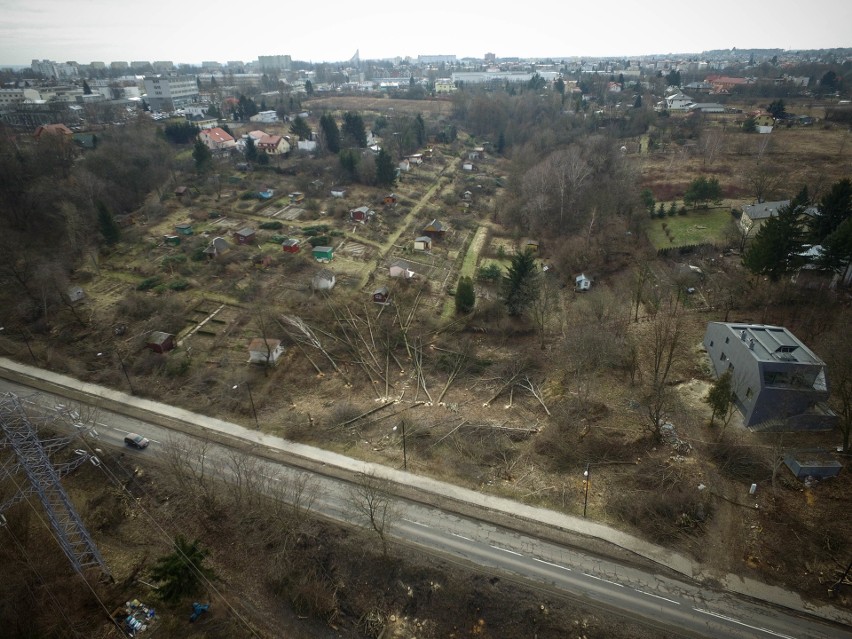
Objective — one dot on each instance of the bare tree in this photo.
(663, 349)
(836, 350)
(372, 503)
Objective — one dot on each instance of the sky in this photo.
(195, 30)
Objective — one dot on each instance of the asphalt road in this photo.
(677, 607)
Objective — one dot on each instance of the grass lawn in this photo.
(702, 226)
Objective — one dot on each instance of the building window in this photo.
(749, 393)
(727, 339)
(723, 357)
(711, 343)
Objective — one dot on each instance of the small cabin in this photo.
(381, 295)
(296, 197)
(172, 240)
(75, 294)
(533, 246)
(423, 243)
(183, 229)
(338, 193)
(435, 229)
(323, 280)
(265, 351)
(582, 283)
(244, 236)
(402, 269)
(291, 246)
(390, 199)
(361, 214)
(323, 253)
(160, 342)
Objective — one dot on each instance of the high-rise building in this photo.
(171, 92)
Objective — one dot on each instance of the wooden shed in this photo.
(244, 236)
(381, 295)
(291, 246)
(160, 342)
(323, 253)
(183, 229)
(423, 243)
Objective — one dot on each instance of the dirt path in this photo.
(449, 171)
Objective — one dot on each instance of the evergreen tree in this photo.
(309, 87)
(107, 225)
(251, 150)
(353, 129)
(202, 155)
(775, 250)
(349, 162)
(720, 396)
(180, 572)
(419, 130)
(501, 143)
(87, 90)
(837, 248)
(520, 284)
(465, 296)
(834, 209)
(299, 126)
(385, 170)
(330, 133)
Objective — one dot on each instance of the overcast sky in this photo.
(195, 30)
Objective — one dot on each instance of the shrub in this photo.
(490, 272)
(178, 285)
(148, 283)
(274, 225)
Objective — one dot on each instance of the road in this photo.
(679, 607)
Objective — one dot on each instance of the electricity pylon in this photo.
(31, 456)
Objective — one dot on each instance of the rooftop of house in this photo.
(217, 134)
(771, 343)
(764, 210)
(262, 344)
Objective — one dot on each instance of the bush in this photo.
(320, 240)
(490, 272)
(148, 283)
(274, 225)
(178, 285)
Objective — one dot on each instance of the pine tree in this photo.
(202, 155)
(720, 396)
(385, 172)
(777, 247)
(330, 133)
(520, 284)
(465, 296)
(107, 225)
(180, 572)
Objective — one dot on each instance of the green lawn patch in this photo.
(701, 226)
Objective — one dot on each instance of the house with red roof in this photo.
(217, 139)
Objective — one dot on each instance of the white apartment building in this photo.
(11, 97)
(170, 93)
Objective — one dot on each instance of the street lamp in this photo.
(404, 455)
(587, 479)
(251, 399)
(123, 369)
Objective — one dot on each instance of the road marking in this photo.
(511, 552)
(416, 523)
(463, 537)
(542, 561)
(650, 594)
(742, 623)
(614, 583)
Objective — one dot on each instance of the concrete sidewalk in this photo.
(499, 511)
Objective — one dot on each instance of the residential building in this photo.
(265, 117)
(273, 145)
(167, 93)
(778, 383)
(11, 97)
(217, 139)
(755, 214)
(274, 62)
(678, 102)
(444, 85)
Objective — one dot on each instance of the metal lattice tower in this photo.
(32, 456)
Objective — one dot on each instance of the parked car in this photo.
(136, 441)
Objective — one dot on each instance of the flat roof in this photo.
(772, 343)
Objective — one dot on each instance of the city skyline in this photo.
(196, 30)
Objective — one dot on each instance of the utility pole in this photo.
(587, 479)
